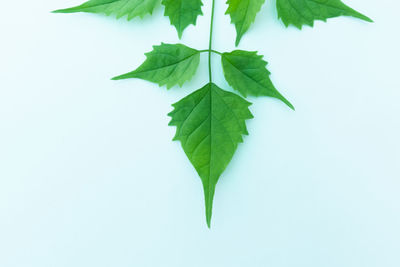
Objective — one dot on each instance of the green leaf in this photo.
(243, 13)
(120, 8)
(246, 72)
(210, 125)
(182, 13)
(167, 64)
(305, 12)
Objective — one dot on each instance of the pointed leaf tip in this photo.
(182, 13)
(121, 77)
(243, 13)
(209, 191)
(290, 105)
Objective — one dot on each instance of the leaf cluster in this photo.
(183, 13)
(211, 122)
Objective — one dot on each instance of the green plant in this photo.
(211, 122)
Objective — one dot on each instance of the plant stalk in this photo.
(210, 43)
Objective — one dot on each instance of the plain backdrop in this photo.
(89, 175)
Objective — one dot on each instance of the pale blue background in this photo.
(89, 175)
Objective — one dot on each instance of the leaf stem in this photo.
(213, 51)
(210, 43)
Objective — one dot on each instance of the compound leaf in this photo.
(210, 125)
(119, 8)
(167, 64)
(305, 12)
(246, 72)
(243, 13)
(182, 13)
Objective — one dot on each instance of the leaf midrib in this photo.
(169, 65)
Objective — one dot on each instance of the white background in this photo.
(89, 175)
